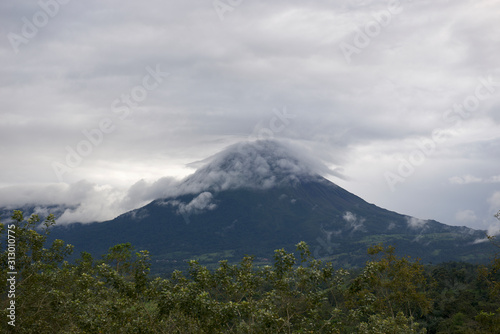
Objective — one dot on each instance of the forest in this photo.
(44, 292)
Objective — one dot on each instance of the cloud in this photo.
(51, 194)
(83, 201)
(465, 179)
(227, 78)
(143, 191)
(494, 201)
(353, 222)
(416, 223)
(258, 164)
(199, 204)
(466, 216)
(494, 229)
(255, 165)
(468, 179)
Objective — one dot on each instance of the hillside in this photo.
(256, 197)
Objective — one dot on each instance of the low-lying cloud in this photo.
(469, 179)
(353, 222)
(257, 165)
(83, 201)
(416, 223)
(201, 203)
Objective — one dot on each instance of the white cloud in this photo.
(83, 201)
(466, 217)
(391, 226)
(258, 164)
(494, 229)
(353, 222)
(468, 179)
(143, 191)
(416, 223)
(200, 203)
(494, 201)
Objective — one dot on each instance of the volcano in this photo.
(255, 197)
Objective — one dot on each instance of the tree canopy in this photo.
(45, 293)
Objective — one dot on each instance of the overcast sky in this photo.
(107, 102)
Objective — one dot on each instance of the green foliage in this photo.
(493, 274)
(53, 296)
(466, 298)
(296, 294)
(377, 324)
(244, 299)
(389, 285)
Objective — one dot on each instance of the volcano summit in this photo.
(255, 197)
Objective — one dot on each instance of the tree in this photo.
(296, 294)
(35, 269)
(54, 296)
(388, 290)
(492, 275)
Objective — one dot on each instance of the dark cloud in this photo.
(226, 79)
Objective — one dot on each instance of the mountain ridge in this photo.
(256, 197)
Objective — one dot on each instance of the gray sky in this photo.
(106, 102)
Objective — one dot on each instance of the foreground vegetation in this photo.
(44, 293)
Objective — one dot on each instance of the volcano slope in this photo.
(253, 198)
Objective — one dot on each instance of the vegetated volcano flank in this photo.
(256, 197)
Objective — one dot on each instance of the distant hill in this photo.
(256, 197)
(30, 209)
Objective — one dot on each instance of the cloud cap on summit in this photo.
(261, 164)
